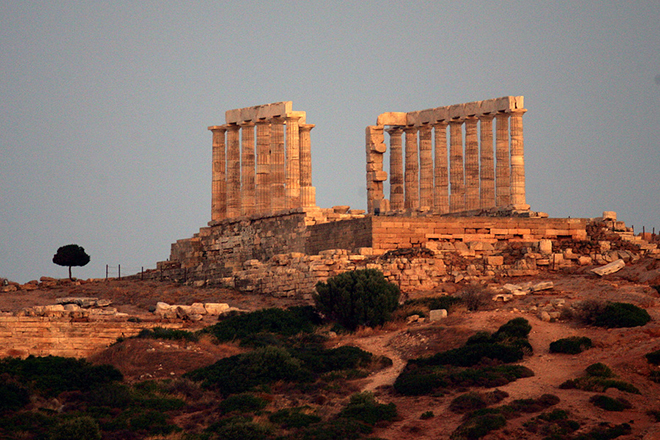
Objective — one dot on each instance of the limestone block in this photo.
(495, 260)
(392, 118)
(216, 308)
(457, 111)
(545, 246)
(543, 285)
(437, 314)
(610, 268)
(472, 108)
(198, 309)
(609, 215)
(487, 106)
(505, 297)
(584, 260)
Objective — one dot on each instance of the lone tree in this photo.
(71, 255)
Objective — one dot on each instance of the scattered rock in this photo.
(610, 268)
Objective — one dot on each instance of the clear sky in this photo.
(104, 106)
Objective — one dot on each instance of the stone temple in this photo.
(446, 203)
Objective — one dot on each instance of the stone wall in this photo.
(21, 336)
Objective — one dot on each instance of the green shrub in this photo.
(240, 373)
(479, 426)
(152, 422)
(515, 328)
(599, 370)
(360, 297)
(286, 323)
(655, 414)
(168, 333)
(363, 407)
(534, 405)
(654, 376)
(289, 418)
(467, 402)
(653, 357)
(572, 345)
(427, 415)
(473, 354)
(607, 433)
(619, 315)
(53, 375)
(12, 396)
(112, 395)
(475, 297)
(434, 303)
(342, 428)
(322, 360)
(610, 404)
(242, 403)
(79, 428)
(241, 429)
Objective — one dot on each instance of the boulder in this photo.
(437, 314)
(610, 268)
(216, 308)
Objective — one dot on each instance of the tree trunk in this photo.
(71, 278)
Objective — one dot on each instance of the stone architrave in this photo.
(219, 175)
(411, 196)
(248, 189)
(487, 169)
(307, 191)
(277, 164)
(233, 171)
(396, 169)
(456, 174)
(502, 172)
(517, 158)
(441, 189)
(292, 191)
(471, 164)
(263, 167)
(426, 167)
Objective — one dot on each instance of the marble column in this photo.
(263, 167)
(456, 171)
(248, 194)
(307, 191)
(471, 164)
(411, 177)
(502, 174)
(277, 167)
(441, 188)
(396, 169)
(292, 180)
(517, 158)
(233, 172)
(219, 175)
(426, 167)
(487, 194)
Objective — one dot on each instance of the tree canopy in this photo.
(71, 255)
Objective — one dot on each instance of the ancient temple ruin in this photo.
(420, 176)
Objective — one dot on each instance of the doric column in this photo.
(277, 170)
(411, 196)
(471, 164)
(502, 176)
(307, 191)
(517, 158)
(396, 169)
(248, 194)
(426, 167)
(487, 195)
(219, 175)
(292, 162)
(375, 149)
(456, 176)
(441, 189)
(233, 172)
(263, 167)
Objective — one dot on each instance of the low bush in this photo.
(609, 404)
(322, 360)
(653, 357)
(587, 311)
(12, 396)
(517, 328)
(655, 414)
(479, 426)
(534, 405)
(473, 401)
(244, 403)
(240, 428)
(359, 297)
(364, 408)
(473, 354)
(599, 370)
(427, 415)
(598, 379)
(553, 425)
(475, 297)
(620, 315)
(79, 428)
(289, 418)
(345, 429)
(606, 433)
(654, 376)
(433, 303)
(168, 333)
(572, 345)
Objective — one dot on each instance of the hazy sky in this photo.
(104, 106)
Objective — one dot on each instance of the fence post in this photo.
(119, 271)
(142, 273)
(106, 272)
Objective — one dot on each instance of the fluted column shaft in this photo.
(396, 169)
(487, 195)
(248, 193)
(307, 191)
(411, 196)
(263, 167)
(471, 163)
(456, 172)
(277, 167)
(517, 158)
(441, 188)
(233, 172)
(502, 174)
(219, 175)
(292, 162)
(426, 167)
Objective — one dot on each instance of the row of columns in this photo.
(474, 178)
(263, 177)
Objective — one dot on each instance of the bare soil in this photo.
(621, 349)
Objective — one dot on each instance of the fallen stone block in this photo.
(505, 297)
(437, 314)
(610, 268)
(216, 308)
(543, 285)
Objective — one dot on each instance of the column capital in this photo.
(217, 128)
(233, 127)
(306, 127)
(440, 123)
(410, 129)
(246, 123)
(458, 121)
(425, 128)
(394, 130)
(518, 111)
(292, 117)
(486, 116)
